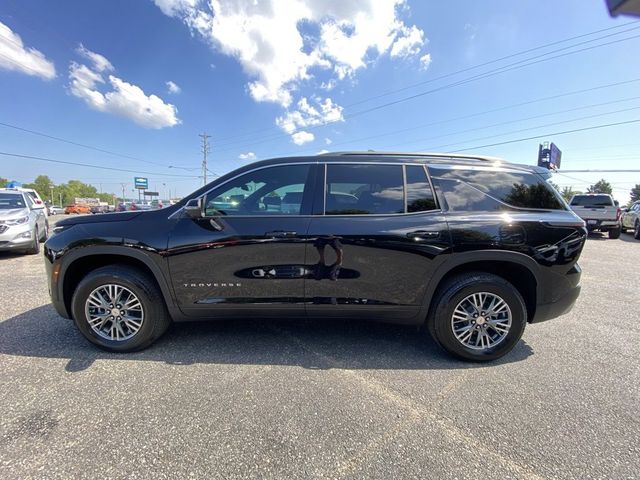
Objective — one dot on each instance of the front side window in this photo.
(364, 189)
(490, 190)
(277, 190)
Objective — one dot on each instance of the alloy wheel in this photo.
(481, 320)
(114, 312)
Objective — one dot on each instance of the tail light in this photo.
(618, 213)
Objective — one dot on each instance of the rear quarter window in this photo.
(490, 190)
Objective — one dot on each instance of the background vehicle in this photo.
(23, 224)
(77, 209)
(102, 207)
(471, 249)
(630, 219)
(55, 210)
(599, 211)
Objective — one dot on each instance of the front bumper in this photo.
(15, 236)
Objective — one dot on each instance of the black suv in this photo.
(472, 247)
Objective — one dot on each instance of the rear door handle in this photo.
(423, 235)
(280, 234)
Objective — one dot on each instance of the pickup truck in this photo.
(599, 211)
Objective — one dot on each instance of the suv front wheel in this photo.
(119, 309)
(478, 317)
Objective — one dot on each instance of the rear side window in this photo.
(488, 190)
(364, 189)
(592, 201)
(419, 194)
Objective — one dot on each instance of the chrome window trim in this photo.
(178, 213)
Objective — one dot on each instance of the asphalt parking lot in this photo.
(284, 399)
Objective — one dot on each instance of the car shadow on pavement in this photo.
(309, 344)
(628, 237)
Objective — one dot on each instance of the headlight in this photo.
(17, 221)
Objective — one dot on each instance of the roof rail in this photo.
(484, 158)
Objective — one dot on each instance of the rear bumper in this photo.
(547, 311)
(601, 224)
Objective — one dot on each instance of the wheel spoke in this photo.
(493, 320)
(114, 312)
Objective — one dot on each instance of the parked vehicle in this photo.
(23, 223)
(99, 208)
(55, 210)
(599, 211)
(35, 197)
(630, 220)
(471, 247)
(77, 209)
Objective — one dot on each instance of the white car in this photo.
(23, 224)
(34, 196)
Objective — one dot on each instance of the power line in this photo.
(473, 67)
(565, 132)
(532, 128)
(51, 160)
(490, 73)
(90, 147)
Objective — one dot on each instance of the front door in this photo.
(376, 245)
(250, 257)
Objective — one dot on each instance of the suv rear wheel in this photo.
(119, 309)
(636, 230)
(478, 316)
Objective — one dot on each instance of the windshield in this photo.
(9, 201)
(592, 201)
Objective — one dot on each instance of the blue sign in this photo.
(141, 182)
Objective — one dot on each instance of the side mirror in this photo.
(194, 208)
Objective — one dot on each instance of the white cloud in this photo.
(302, 137)
(266, 37)
(173, 87)
(100, 63)
(409, 43)
(15, 56)
(308, 115)
(123, 99)
(322, 151)
(247, 156)
(425, 61)
(328, 141)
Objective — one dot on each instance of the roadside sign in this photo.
(141, 182)
(150, 194)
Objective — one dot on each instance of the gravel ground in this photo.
(283, 399)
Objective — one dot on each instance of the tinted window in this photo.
(485, 189)
(364, 189)
(11, 200)
(592, 201)
(268, 191)
(419, 194)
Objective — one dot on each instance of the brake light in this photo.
(618, 214)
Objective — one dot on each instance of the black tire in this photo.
(453, 292)
(45, 234)
(636, 230)
(623, 229)
(614, 233)
(156, 317)
(34, 249)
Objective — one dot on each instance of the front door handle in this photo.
(280, 234)
(423, 235)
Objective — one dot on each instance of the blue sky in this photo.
(299, 77)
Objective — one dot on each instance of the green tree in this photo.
(42, 184)
(601, 186)
(635, 193)
(3, 182)
(568, 192)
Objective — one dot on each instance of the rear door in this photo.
(377, 237)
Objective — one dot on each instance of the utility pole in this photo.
(205, 151)
(123, 185)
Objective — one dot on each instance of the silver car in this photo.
(23, 223)
(631, 219)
